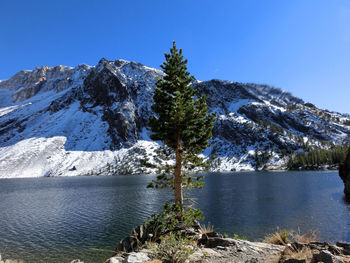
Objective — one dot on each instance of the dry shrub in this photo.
(206, 229)
(280, 237)
(284, 237)
(307, 237)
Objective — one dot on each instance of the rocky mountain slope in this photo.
(93, 120)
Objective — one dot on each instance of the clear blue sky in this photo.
(302, 46)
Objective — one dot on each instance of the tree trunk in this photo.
(177, 175)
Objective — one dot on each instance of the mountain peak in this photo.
(95, 118)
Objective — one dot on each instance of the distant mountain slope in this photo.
(92, 120)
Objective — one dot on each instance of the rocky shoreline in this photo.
(227, 250)
(213, 248)
(22, 261)
(210, 247)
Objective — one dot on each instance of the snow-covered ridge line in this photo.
(62, 121)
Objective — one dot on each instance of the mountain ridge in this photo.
(93, 119)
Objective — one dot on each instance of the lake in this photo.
(63, 218)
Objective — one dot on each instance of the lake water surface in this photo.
(60, 219)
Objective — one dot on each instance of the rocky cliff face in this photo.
(344, 173)
(95, 120)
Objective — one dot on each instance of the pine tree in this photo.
(182, 123)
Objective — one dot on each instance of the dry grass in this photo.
(304, 253)
(154, 261)
(307, 237)
(206, 229)
(284, 237)
(280, 237)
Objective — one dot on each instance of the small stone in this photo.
(77, 261)
(221, 248)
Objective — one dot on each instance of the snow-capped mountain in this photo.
(93, 120)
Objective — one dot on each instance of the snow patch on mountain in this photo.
(64, 121)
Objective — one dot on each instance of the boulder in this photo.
(227, 250)
(212, 242)
(326, 257)
(345, 247)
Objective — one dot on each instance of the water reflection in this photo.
(254, 204)
(86, 216)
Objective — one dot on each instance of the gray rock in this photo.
(240, 251)
(218, 241)
(221, 248)
(326, 257)
(115, 259)
(345, 247)
(136, 257)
